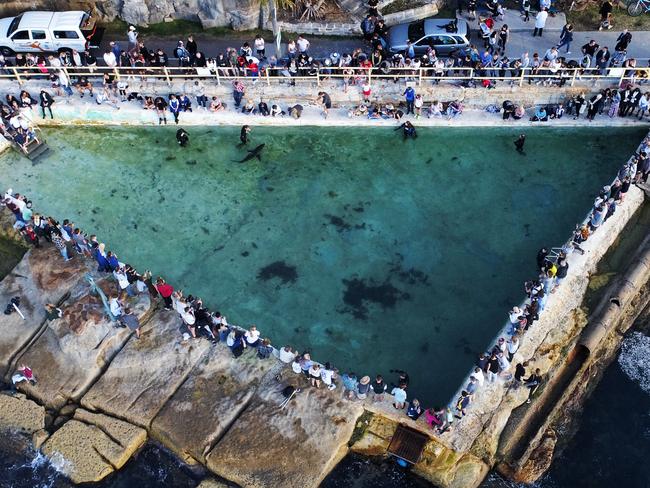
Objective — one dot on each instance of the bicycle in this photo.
(637, 8)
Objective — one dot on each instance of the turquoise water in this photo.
(372, 252)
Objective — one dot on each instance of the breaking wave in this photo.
(634, 359)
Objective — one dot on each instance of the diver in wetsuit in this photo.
(519, 143)
(182, 137)
(243, 135)
(409, 130)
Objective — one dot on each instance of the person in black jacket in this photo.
(46, 103)
(532, 383)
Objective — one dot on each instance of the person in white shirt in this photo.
(287, 355)
(328, 374)
(179, 303)
(259, 47)
(132, 35)
(514, 315)
(295, 366)
(55, 62)
(76, 58)
(540, 22)
(478, 375)
(109, 59)
(115, 306)
(303, 44)
(189, 320)
(252, 336)
(64, 82)
(513, 346)
(123, 281)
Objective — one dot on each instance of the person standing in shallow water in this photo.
(519, 144)
(409, 130)
(243, 135)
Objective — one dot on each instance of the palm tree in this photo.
(273, 8)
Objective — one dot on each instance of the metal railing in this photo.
(350, 75)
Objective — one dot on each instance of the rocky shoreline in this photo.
(101, 394)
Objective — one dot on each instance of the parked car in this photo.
(443, 35)
(47, 32)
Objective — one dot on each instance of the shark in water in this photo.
(253, 153)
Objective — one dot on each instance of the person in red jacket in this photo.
(165, 291)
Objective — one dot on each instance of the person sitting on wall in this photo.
(508, 109)
(540, 115)
(520, 111)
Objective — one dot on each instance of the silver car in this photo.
(443, 35)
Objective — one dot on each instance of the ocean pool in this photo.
(371, 252)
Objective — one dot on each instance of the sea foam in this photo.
(635, 359)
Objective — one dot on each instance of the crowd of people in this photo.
(15, 126)
(488, 63)
(197, 322)
(553, 267)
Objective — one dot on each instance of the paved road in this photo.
(520, 41)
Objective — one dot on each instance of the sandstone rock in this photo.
(68, 409)
(293, 447)
(216, 392)
(41, 277)
(240, 14)
(60, 420)
(146, 372)
(20, 415)
(135, 12)
(72, 351)
(212, 484)
(91, 446)
(39, 437)
(539, 460)
(376, 437)
(469, 472)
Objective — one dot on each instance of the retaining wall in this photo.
(459, 458)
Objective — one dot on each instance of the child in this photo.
(419, 102)
(366, 92)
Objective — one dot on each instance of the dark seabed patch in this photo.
(278, 269)
(359, 294)
(338, 222)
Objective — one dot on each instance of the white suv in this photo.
(46, 32)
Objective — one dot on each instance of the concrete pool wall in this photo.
(305, 93)
(185, 378)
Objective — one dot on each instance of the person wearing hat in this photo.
(132, 35)
(363, 387)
